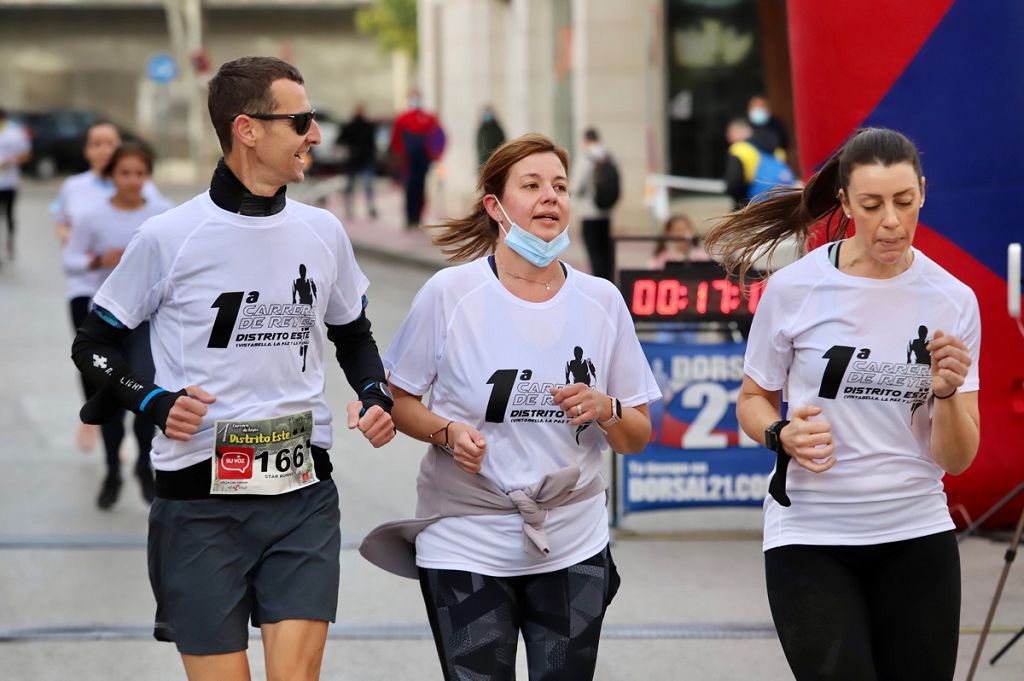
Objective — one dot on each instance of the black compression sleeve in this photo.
(97, 354)
(360, 360)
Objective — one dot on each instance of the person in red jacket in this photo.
(417, 140)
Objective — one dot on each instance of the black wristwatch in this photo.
(773, 441)
(773, 436)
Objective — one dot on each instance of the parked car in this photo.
(58, 137)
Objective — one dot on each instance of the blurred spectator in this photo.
(79, 194)
(98, 240)
(595, 190)
(417, 140)
(15, 149)
(489, 135)
(685, 247)
(769, 132)
(750, 169)
(358, 136)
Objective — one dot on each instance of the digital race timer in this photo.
(686, 292)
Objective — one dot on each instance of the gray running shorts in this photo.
(214, 564)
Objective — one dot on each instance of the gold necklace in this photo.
(546, 285)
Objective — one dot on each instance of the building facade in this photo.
(659, 79)
(93, 55)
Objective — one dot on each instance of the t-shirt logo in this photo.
(243, 320)
(304, 290)
(865, 379)
(532, 398)
(582, 370)
(235, 463)
(918, 348)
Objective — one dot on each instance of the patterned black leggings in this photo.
(476, 620)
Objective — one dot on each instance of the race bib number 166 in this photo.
(269, 456)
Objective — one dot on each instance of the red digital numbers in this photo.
(671, 297)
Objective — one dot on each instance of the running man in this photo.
(245, 524)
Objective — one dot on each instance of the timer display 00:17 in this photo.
(689, 294)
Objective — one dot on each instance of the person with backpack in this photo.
(596, 190)
(751, 170)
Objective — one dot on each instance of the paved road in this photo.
(75, 602)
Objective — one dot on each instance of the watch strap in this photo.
(376, 393)
(616, 408)
(777, 484)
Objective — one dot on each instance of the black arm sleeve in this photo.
(360, 360)
(97, 354)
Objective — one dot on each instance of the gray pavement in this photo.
(74, 595)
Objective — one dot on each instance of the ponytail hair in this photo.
(758, 229)
(476, 234)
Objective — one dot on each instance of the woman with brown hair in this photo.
(861, 564)
(533, 370)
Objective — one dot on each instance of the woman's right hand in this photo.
(808, 442)
(468, 446)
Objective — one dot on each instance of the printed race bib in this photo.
(271, 456)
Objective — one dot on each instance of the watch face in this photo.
(618, 409)
(384, 389)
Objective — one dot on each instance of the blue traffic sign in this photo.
(161, 68)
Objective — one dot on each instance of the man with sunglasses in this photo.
(245, 525)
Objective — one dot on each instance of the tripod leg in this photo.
(1006, 647)
(1011, 553)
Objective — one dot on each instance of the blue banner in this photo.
(698, 455)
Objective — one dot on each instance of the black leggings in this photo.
(7, 197)
(868, 613)
(139, 355)
(597, 237)
(476, 620)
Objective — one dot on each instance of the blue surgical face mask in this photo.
(759, 116)
(534, 249)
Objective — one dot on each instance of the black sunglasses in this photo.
(300, 121)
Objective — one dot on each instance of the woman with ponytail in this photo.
(875, 349)
(533, 369)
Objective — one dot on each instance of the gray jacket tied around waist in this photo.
(445, 490)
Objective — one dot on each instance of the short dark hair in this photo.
(591, 135)
(125, 149)
(243, 86)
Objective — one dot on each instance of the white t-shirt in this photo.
(230, 312)
(488, 358)
(80, 194)
(101, 229)
(855, 347)
(14, 142)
